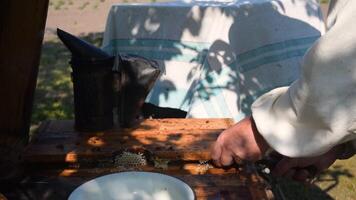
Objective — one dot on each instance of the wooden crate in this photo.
(177, 147)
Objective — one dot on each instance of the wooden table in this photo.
(61, 159)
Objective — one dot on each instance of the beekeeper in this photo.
(313, 121)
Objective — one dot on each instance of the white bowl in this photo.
(133, 186)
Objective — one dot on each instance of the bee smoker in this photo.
(137, 76)
(92, 83)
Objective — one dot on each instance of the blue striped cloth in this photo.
(215, 75)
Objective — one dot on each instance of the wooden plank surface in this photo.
(60, 159)
(183, 139)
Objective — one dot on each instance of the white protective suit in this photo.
(318, 111)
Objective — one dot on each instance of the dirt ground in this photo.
(81, 17)
(77, 18)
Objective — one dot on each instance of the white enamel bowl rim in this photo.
(187, 189)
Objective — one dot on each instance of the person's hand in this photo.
(305, 169)
(241, 142)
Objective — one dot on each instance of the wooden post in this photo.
(22, 26)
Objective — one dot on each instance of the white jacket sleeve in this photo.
(318, 111)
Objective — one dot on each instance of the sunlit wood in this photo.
(177, 147)
(68, 172)
(96, 141)
(71, 157)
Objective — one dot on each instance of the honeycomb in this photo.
(129, 159)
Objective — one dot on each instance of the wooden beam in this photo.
(22, 26)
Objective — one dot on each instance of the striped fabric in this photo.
(213, 73)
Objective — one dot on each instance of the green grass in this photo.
(338, 182)
(54, 93)
(53, 96)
